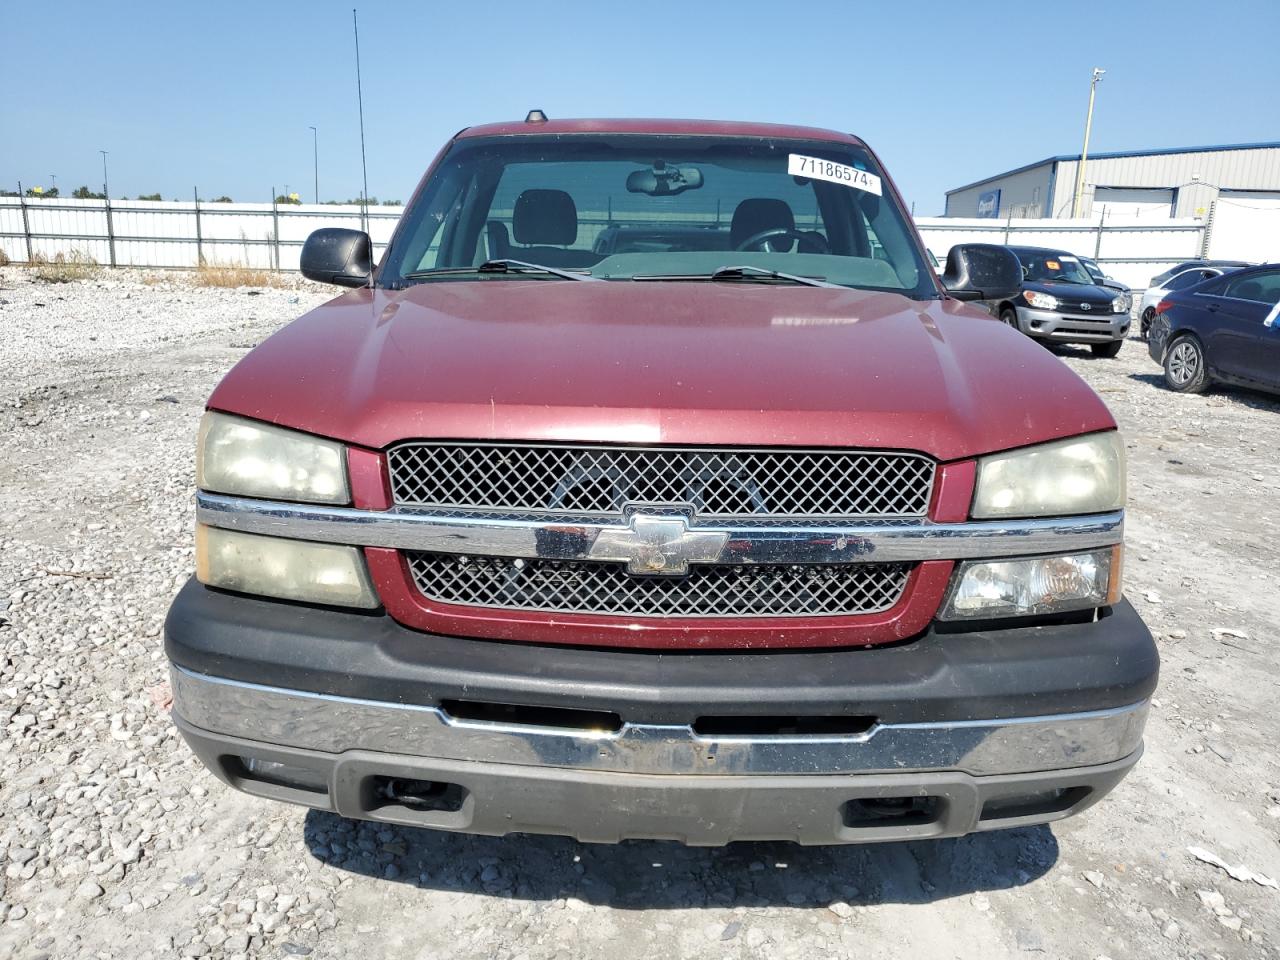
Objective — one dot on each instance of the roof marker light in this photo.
(535, 116)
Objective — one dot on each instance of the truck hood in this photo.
(660, 362)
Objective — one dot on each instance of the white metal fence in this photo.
(159, 233)
(149, 233)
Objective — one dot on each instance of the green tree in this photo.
(84, 193)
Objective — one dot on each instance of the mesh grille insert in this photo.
(599, 481)
(558, 586)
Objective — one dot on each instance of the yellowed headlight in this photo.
(324, 573)
(251, 459)
(1059, 479)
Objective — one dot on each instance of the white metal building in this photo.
(1155, 184)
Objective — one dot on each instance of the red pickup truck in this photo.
(653, 485)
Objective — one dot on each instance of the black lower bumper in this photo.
(1011, 672)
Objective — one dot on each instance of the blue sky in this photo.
(221, 95)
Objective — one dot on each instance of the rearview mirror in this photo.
(338, 255)
(664, 181)
(982, 271)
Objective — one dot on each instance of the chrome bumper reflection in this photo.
(336, 724)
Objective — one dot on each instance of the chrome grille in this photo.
(563, 479)
(794, 590)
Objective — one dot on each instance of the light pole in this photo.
(105, 192)
(1084, 154)
(315, 150)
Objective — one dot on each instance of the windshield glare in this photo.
(1041, 267)
(633, 207)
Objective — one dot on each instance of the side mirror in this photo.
(337, 255)
(982, 271)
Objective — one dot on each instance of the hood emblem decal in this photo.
(658, 545)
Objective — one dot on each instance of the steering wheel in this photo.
(761, 240)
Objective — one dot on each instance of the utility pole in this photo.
(105, 192)
(315, 149)
(1084, 154)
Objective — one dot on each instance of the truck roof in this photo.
(723, 128)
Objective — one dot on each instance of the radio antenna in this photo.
(364, 169)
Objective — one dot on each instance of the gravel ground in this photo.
(114, 842)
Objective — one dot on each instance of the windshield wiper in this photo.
(746, 270)
(743, 272)
(500, 266)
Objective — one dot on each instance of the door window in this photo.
(1189, 279)
(1260, 287)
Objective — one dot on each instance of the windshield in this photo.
(1040, 267)
(641, 207)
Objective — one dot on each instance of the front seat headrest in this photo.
(545, 218)
(760, 213)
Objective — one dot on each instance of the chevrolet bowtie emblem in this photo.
(658, 545)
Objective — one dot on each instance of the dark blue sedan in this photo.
(1223, 330)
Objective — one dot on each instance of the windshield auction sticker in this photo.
(816, 168)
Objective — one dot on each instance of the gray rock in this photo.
(1211, 898)
(236, 943)
(21, 855)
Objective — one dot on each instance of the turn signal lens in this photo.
(1034, 586)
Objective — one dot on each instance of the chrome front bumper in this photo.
(332, 724)
(1073, 327)
(654, 780)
